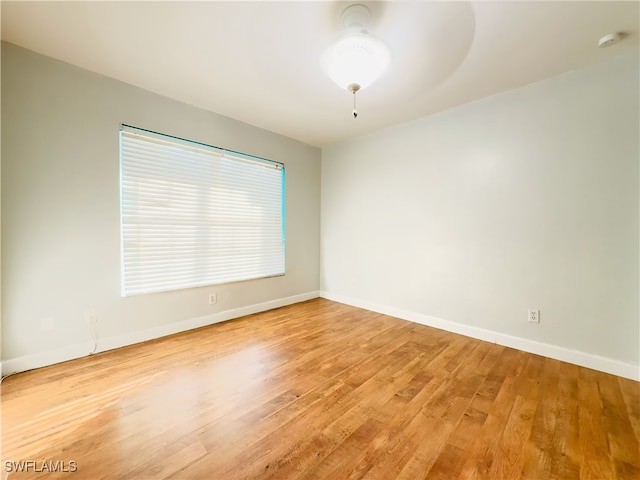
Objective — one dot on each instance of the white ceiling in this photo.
(260, 62)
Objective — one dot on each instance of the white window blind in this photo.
(194, 215)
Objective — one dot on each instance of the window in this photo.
(194, 215)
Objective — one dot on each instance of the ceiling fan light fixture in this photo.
(356, 59)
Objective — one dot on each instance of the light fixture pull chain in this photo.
(355, 112)
(353, 88)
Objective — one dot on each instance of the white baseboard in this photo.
(70, 352)
(596, 362)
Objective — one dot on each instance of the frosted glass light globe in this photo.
(358, 58)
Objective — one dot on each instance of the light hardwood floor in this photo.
(321, 390)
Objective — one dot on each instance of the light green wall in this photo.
(524, 200)
(60, 205)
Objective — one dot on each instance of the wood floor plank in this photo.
(622, 440)
(630, 391)
(321, 390)
(594, 445)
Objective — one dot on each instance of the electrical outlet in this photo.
(534, 316)
(213, 298)
(46, 324)
(90, 317)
